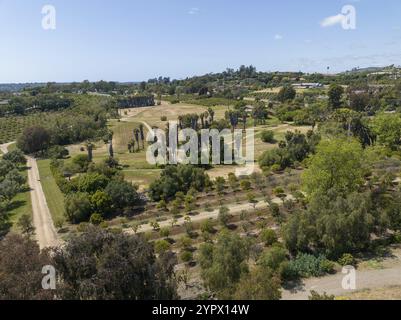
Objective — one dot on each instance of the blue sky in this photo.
(132, 40)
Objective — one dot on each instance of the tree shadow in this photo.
(294, 286)
(16, 204)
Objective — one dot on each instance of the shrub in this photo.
(316, 296)
(347, 259)
(186, 256)
(57, 152)
(165, 232)
(396, 238)
(96, 219)
(273, 258)
(268, 136)
(83, 227)
(276, 168)
(81, 162)
(207, 227)
(327, 266)
(185, 242)
(122, 193)
(16, 157)
(245, 185)
(279, 191)
(306, 266)
(163, 118)
(161, 246)
(268, 236)
(78, 207)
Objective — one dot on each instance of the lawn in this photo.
(20, 205)
(54, 197)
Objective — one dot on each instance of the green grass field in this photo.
(54, 197)
(135, 166)
(21, 205)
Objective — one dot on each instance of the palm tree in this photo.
(136, 134)
(244, 117)
(111, 151)
(141, 129)
(180, 122)
(202, 118)
(211, 114)
(89, 148)
(196, 119)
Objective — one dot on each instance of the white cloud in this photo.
(333, 20)
(193, 11)
(278, 37)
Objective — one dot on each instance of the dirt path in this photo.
(367, 279)
(46, 234)
(45, 231)
(4, 147)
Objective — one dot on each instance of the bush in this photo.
(347, 259)
(165, 232)
(78, 207)
(91, 182)
(57, 152)
(276, 168)
(268, 136)
(315, 296)
(16, 157)
(186, 256)
(306, 266)
(396, 237)
(274, 258)
(83, 227)
(81, 162)
(96, 219)
(161, 246)
(207, 227)
(122, 193)
(185, 242)
(327, 266)
(279, 191)
(163, 118)
(268, 236)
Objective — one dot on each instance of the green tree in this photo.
(101, 202)
(335, 96)
(338, 164)
(259, 284)
(78, 207)
(16, 157)
(21, 263)
(388, 130)
(224, 216)
(101, 265)
(286, 93)
(34, 139)
(224, 263)
(122, 193)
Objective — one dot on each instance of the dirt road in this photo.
(4, 147)
(45, 231)
(366, 279)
